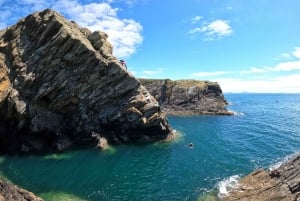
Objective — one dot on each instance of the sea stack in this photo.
(61, 87)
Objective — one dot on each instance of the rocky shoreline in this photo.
(282, 183)
(188, 97)
(10, 192)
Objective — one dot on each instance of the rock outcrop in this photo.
(61, 87)
(282, 184)
(186, 97)
(10, 192)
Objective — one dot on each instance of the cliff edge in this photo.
(61, 87)
(188, 97)
(282, 183)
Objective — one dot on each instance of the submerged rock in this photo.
(10, 192)
(60, 83)
(282, 183)
(185, 97)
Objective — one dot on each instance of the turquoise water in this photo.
(264, 131)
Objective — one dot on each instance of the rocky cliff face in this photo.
(60, 86)
(184, 97)
(10, 192)
(282, 184)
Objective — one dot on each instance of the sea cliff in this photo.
(61, 87)
(188, 97)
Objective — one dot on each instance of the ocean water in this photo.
(265, 129)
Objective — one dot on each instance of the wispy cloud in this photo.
(296, 52)
(254, 70)
(285, 56)
(229, 8)
(209, 74)
(279, 84)
(264, 79)
(196, 19)
(214, 30)
(285, 66)
(152, 72)
(124, 34)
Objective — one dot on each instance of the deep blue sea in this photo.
(265, 129)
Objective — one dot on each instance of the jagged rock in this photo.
(59, 84)
(185, 97)
(100, 43)
(282, 184)
(10, 192)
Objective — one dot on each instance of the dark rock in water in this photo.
(10, 192)
(61, 87)
(185, 97)
(282, 183)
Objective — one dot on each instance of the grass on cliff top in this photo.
(191, 83)
(183, 83)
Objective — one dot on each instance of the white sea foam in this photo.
(279, 162)
(237, 113)
(228, 184)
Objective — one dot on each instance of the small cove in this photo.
(265, 130)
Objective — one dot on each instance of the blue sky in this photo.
(245, 45)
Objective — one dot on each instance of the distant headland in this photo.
(188, 97)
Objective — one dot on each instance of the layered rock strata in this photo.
(10, 192)
(188, 97)
(61, 87)
(282, 184)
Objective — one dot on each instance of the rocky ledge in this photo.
(282, 184)
(10, 192)
(188, 97)
(61, 87)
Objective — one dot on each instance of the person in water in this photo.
(191, 145)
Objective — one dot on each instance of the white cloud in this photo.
(196, 19)
(209, 74)
(254, 70)
(214, 30)
(124, 34)
(217, 29)
(265, 79)
(195, 30)
(152, 72)
(286, 66)
(296, 53)
(285, 56)
(280, 67)
(280, 84)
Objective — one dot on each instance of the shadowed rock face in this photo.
(281, 184)
(60, 87)
(188, 97)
